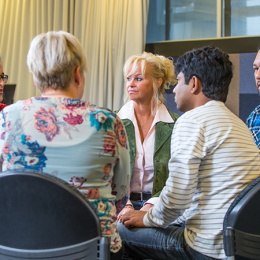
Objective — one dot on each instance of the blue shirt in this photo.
(253, 123)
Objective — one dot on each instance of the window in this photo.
(198, 19)
(245, 17)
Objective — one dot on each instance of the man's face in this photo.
(256, 66)
(183, 94)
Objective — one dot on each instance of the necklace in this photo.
(145, 124)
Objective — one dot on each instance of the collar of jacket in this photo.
(162, 132)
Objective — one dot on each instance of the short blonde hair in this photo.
(53, 58)
(158, 67)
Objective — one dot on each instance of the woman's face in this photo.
(139, 87)
(2, 84)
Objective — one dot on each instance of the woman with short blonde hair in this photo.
(61, 134)
(52, 58)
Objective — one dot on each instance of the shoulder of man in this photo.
(254, 115)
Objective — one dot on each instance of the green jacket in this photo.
(162, 153)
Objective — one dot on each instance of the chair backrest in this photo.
(9, 91)
(42, 216)
(241, 228)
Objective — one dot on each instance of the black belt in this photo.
(140, 196)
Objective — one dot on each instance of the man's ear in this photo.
(196, 87)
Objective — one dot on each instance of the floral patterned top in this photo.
(76, 141)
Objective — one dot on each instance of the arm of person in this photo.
(146, 207)
(121, 178)
(128, 207)
(187, 150)
(152, 201)
(133, 218)
(180, 220)
(124, 211)
(149, 203)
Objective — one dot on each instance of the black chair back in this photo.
(43, 216)
(241, 228)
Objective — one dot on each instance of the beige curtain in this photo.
(109, 30)
(21, 21)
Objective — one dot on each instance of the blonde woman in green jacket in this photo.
(148, 125)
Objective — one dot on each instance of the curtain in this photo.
(110, 31)
(21, 21)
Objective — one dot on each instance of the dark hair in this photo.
(211, 66)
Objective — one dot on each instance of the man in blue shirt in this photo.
(253, 121)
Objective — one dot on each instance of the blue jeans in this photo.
(158, 243)
(138, 204)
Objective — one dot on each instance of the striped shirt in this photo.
(213, 157)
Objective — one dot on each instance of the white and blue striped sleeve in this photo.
(187, 150)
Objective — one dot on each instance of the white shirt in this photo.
(143, 171)
(213, 158)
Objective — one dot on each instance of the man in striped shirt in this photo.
(213, 158)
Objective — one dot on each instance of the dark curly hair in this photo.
(211, 66)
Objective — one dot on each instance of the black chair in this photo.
(241, 228)
(43, 217)
(9, 91)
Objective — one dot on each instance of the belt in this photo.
(140, 196)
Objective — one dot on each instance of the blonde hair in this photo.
(53, 58)
(158, 67)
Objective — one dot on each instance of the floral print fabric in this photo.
(76, 141)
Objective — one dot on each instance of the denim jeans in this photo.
(138, 204)
(158, 243)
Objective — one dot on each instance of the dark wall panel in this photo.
(248, 102)
(246, 76)
(170, 103)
